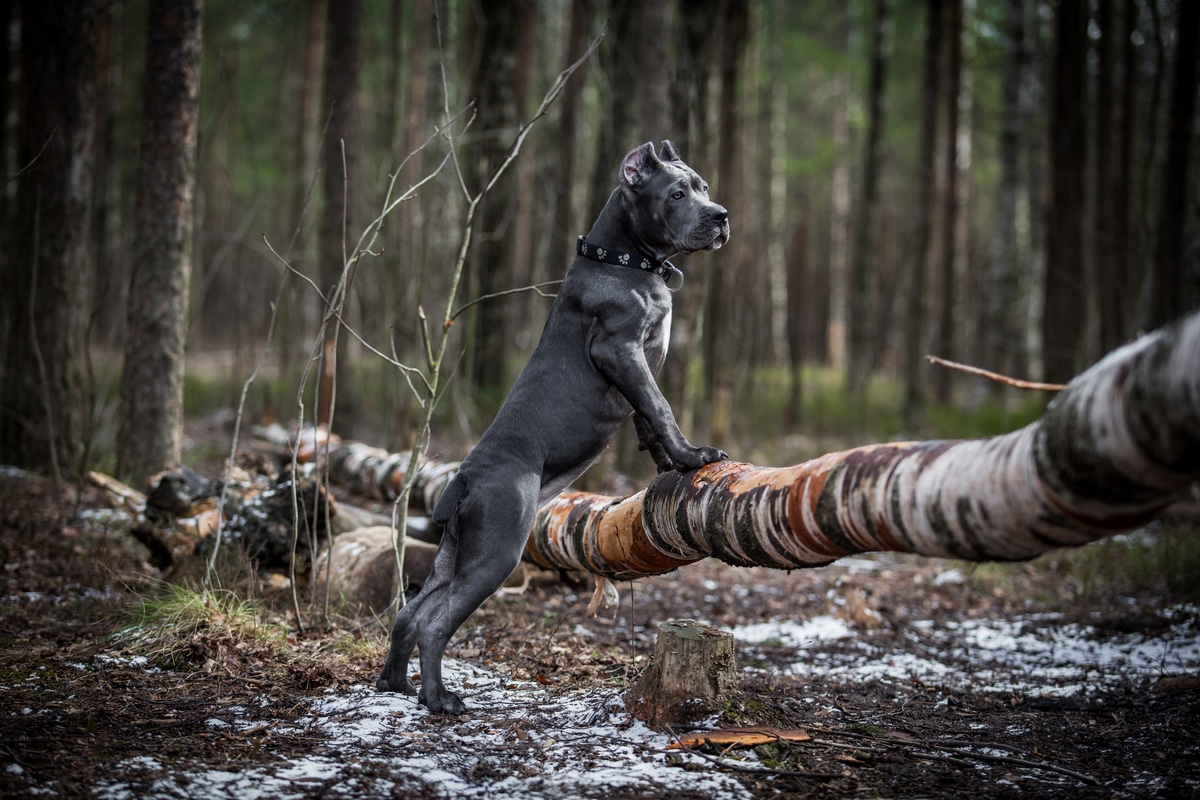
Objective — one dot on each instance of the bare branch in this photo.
(537, 288)
(995, 376)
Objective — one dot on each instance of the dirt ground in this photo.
(87, 714)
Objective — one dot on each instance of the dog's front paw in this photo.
(697, 457)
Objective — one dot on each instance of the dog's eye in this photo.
(678, 195)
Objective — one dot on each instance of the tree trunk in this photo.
(721, 349)
(798, 272)
(691, 674)
(42, 406)
(1064, 313)
(563, 233)
(918, 304)
(1171, 290)
(494, 89)
(618, 98)
(1127, 263)
(858, 317)
(654, 122)
(1000, 329)
(7, 49)
(111, 276)
(343, 53)
(839, 227)
(151, 429)
(944, 338)
(1109, 273)
(689, 106)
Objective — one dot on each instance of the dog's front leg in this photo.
(647, 442)
(620, 357)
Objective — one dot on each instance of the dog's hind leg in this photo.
(490, 540)
(410, 619)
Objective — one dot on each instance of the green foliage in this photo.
(179, 624)
(1162, 558)
(1145, 560)
(830, 419)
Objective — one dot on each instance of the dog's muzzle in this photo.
(711, 232)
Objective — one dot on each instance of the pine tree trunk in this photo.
(343, 54)
(839, 226)
(42, 406)
(1171, 293)
(1109, 284)
(111, 259)
(859, 316)
(720, 329)
(918, 304)
(494, 89)
(1064, 314)
(1000, 329)
(944, 339)
(151, 430)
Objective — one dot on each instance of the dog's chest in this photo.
(657, 342)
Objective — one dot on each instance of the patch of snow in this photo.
(549, 745)
(1033, 654)
(789, 633)
(950, 577)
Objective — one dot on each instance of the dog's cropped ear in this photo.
(638, 164)
(668, 152)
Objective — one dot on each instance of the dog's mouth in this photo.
(712, 237)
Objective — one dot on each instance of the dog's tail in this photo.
(447, 504)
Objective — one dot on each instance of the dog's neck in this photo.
(665, 269)
(612, 244)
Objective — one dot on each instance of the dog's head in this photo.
(672, 208)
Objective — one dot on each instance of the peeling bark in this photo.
(1116, 447)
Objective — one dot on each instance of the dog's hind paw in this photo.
(442, 702)
(382, 684)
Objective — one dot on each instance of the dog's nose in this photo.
(718, 214)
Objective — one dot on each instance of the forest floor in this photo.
(908, 678)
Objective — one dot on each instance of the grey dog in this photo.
(594, 368)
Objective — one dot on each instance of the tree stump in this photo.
(692, 672)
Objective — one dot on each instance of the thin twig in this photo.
(1021, 762)
(537, 288)
(995, 376)
(967, 753)
(33, 161)
(35, 346)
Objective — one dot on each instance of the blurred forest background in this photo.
(1005, 183)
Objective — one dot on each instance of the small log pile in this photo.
(276, 521)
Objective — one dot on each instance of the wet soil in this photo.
(81, 710)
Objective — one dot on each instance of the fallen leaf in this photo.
(740, 737)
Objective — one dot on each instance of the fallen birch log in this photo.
(361, 468)
(1116, 447)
